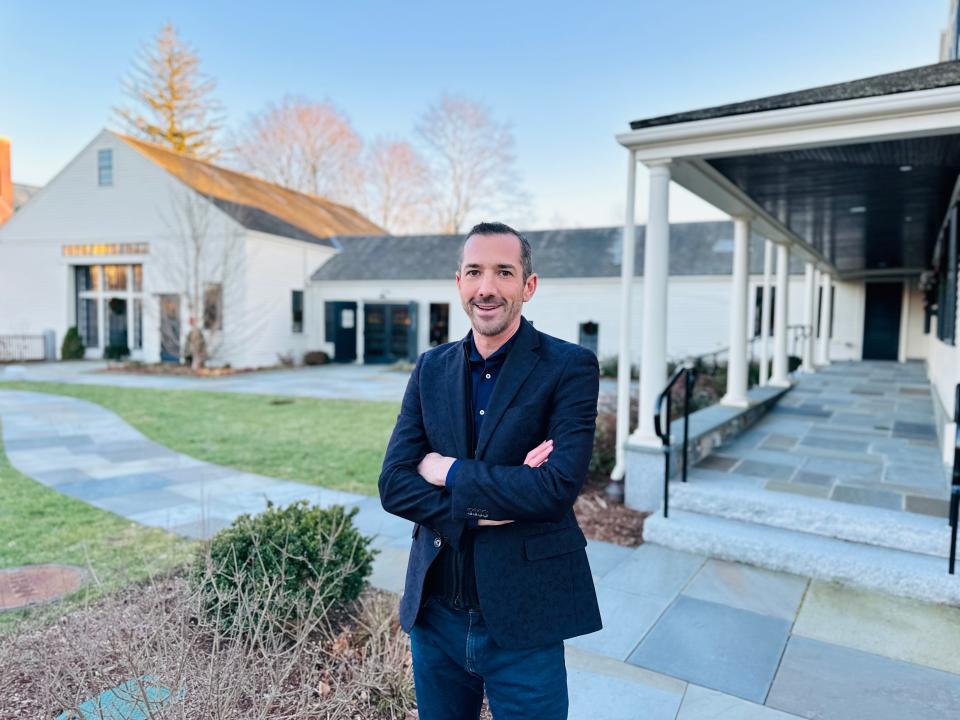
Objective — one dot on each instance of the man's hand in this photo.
(434, 468)
(535, 458)
(538, 456)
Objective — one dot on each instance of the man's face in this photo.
(491, 284)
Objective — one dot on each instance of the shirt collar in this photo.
(497, 356)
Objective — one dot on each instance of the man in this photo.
(489, 453)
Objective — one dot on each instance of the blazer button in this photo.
(437, 542)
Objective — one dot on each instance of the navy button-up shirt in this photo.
(483, 378)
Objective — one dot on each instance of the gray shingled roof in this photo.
(254, 218)
(920, 78)
(704, 248)
(22, 193)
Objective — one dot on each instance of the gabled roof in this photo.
(921, 78)
(257, 204)
(704, 248)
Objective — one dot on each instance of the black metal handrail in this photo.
(955, 481)
(689, 374)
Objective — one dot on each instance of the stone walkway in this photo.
(344, 382)
(685, 638)
(857, 433)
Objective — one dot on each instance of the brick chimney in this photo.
(6, 182)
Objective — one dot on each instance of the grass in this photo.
(337, 444)
(40, 525)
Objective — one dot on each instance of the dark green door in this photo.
(881, 322)
(389, 332)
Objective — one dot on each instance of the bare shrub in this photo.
(351, 662)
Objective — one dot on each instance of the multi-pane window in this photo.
(109, 305)
(296, 308)
(115, 277)
(213, 307)
(105, 168)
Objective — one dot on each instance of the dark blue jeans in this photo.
(455, 660)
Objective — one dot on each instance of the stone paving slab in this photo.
(704, 704)
(748, 588)
(829, 682)
(654, 571)
(727, 649)
(604, 689)
(604, 557)
(626, 620)
(921, 633)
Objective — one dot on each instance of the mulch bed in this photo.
(182, 370)
(603, 520)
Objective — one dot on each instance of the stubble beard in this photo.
(485, 328)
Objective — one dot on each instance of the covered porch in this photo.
(846, 478)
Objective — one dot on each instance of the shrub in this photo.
(610, 366)
(315, 357)
(116, 351)
(289, 565)
(72, 347)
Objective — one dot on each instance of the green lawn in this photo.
(334, 443)
(39, 525)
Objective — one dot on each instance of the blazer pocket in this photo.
(551, 544)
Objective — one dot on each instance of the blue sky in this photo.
(568, 77)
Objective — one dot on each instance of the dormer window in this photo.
(105, 168)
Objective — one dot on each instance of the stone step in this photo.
(910, 575)
(732, 500)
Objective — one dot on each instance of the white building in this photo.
(381, 299)
(130, 239)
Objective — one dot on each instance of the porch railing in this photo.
(955, 481)
(688, 374)
(20, 348)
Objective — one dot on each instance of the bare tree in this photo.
(173, 103)
(204, 264)
(398, 190)
(472, 161)
(304, 145)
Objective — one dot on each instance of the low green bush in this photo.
(116, 351)
(284, 566)
(72, 347)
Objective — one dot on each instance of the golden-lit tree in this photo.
(173, 102)
(472, 162)
(398, 195)
(304, 145)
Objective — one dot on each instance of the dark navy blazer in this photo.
(533, 578)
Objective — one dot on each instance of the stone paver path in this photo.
(684, 638)
(346, 382)
(859, 433)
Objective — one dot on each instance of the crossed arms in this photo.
(413, 475)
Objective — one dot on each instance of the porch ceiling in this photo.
(856, 177)
(872, 207)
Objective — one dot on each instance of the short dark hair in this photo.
(498, 228)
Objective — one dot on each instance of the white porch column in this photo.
(826, 303)
(810, 317)
(627, 252)
(765, 313)
(736, 395)
(780, 368)
(653, 362)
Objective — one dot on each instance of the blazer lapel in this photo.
(521, 359)
(455, 386)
